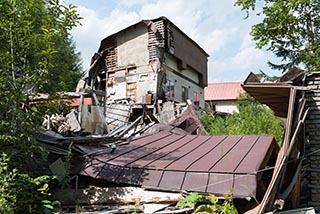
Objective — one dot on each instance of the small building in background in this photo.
(149, 61)
(222, 97)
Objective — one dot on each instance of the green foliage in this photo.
(20, 193)
(191, 200)
(32, 33)
(67, 165)
(252, 118)
(66, 70)
(210, 204)
(290, 29)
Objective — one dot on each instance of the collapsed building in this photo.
(134, 133)
(150, 61)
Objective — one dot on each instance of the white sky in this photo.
(216, 25)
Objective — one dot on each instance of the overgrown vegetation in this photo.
(32, 33)
(252, 118)
(21, 193)
(210, 204)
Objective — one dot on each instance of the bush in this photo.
(20, 193)
(252, 118)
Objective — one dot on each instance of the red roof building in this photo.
(222, 97)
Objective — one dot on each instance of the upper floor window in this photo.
(184, 93)
(196, 98)
(169, 89)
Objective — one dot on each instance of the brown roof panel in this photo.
(172, 179)
(220, 184)
(140, 154)
(194, 153)
(245, 185)
(195, 181)
(259, 151)
(218, 150)
(168, 156)
(165, 160)
(232, 158)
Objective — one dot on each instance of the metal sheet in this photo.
(220, 184)
(220, 148)
(196, 181)
(165, 160)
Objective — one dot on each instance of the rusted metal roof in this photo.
(223, 91)
(208, 164)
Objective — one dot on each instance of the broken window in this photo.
(184, 93)
(196, 98)
(169, 89)
(170, 40)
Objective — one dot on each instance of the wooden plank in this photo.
(267, 200)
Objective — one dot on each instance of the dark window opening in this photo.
(169, 89)
(184, 93)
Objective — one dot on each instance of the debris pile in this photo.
(121, 118)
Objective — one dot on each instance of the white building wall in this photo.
(225, 106)
(140, 78)
(132, 47)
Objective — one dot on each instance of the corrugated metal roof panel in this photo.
(213, 164)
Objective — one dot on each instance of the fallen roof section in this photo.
(168, 161)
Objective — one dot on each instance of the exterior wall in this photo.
(181, 79)
(134, 83)
(223, 106)
(132, 46)
(131, 63)
(188, 72)
(189, 53)
(134, 77)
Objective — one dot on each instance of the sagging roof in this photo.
(223, 91)
(169, 161)
(274, 94)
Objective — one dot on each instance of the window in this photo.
(184, 93)
(196, 98)
(169, 89)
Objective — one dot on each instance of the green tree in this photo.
(252, 118)
(30, 34)
(290, 29)
(67, 68)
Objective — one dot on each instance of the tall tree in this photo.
(66, 69)
(290, 29)
(31, 32)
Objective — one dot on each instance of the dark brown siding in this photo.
(190, 54)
